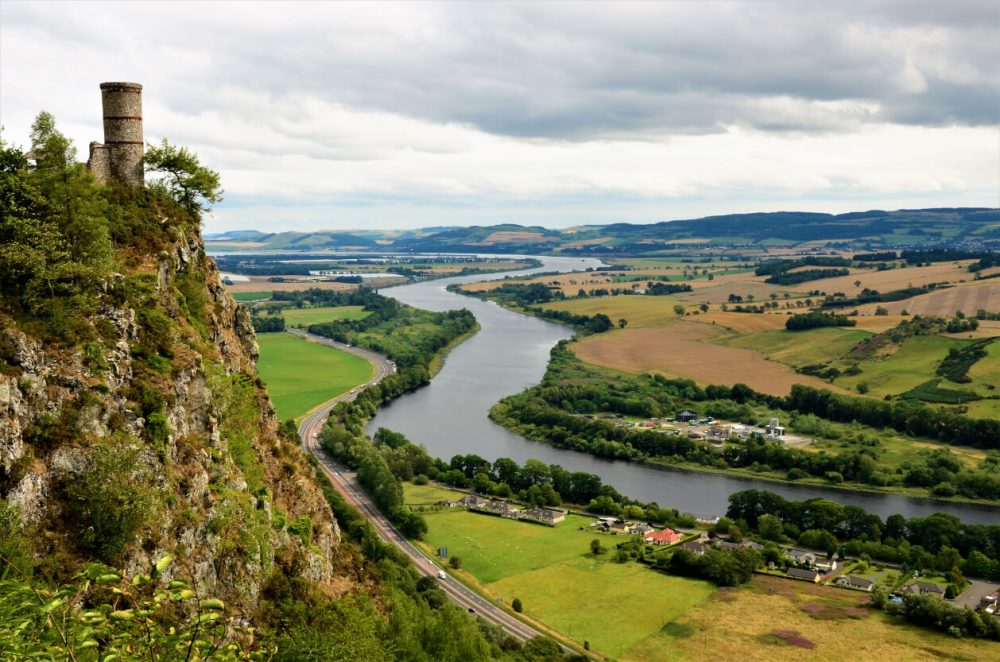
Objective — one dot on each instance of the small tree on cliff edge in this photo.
(193, 186)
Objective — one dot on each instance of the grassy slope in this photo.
(985, 373)
(300, 374)
(799, 348)
(913, 363)
(307, 316)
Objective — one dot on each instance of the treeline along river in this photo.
(509, 354)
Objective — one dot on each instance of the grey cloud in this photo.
(577, 72)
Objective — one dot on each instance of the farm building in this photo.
(801, 557)
(924, 588)
(695, 547)
(854, 582)
(664, 537)
(642, 529)
(805, 575)
(544, 515)
(687, 416)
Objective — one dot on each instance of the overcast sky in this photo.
(335, 115)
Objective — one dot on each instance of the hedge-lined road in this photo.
(344, 482)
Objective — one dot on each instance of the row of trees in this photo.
(816, 320)
(796, 277)
(939, 541)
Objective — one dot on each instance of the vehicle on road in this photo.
(441, 575)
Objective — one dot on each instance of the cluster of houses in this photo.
(503, 508)
(706, 428)
(649, 534)
(806, 566)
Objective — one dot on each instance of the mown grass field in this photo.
(612, 605)
(307, 316)
(250, 296)
(740, 624)
(301, 375)
(550, 569)
(426, 495)
(493, 548)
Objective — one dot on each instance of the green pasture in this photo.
(301, 375)
(426, 495)
(250, 296)
(307, 316)
(800, 348)
(612, 605)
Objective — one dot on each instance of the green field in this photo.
(612, 605)
(301, 375)
(640, 311)
(307, 316)
(800, 348)
(985, 374)
(913, 363)
(250, 296)
(493, 548)
(426, 495)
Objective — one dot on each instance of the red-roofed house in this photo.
(664, 537)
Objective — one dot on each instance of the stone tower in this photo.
(120, 157)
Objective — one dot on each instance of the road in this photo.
(345, 483)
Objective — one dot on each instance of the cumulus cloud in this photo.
(534, 110)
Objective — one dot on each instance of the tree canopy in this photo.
(192, 185)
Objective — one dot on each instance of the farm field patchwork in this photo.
(307, 316)
(301, 375)
(889, 280)
(779, 619)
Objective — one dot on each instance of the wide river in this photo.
(509, 354)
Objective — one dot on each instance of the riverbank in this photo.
(672, 465)
(437, 362)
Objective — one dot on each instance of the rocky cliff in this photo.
(149, 431)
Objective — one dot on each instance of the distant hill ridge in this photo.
(974, 226)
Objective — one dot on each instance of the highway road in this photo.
(345, 482)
